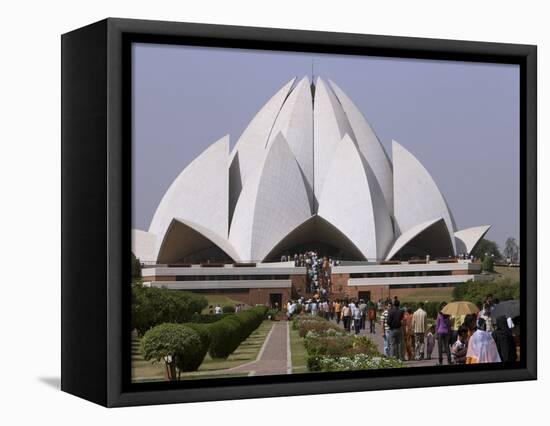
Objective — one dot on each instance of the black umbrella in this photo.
(509, 308)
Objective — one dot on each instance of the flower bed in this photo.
(357, 362)
(306, 323)
(330, 348)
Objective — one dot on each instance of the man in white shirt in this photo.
(419, 326)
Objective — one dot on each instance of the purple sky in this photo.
(461, 120)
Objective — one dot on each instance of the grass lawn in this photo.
(298, 352)
(430, 295)
(215, 299)
(508, 272)
(247, 351)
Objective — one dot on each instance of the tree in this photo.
(488, 264)
(152, 306)
(486, 247)
(170, 343)
(476, 291)
(136, 269)
(511, 249)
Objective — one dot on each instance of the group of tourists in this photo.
(464, 339)
(318, 271)
(353, 315)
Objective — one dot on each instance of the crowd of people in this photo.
(354, 315)
(463, 339)
(318, 271)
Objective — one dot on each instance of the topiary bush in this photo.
(194, 359)
(171, 343)
(228, 309)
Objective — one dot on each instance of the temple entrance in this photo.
(317, 235)
(365, 295)
(275, 300)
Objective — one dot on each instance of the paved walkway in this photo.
(274, 356)
(379, 340)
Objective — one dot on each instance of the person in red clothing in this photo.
(371, 314)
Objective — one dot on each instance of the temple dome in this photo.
(309, 163)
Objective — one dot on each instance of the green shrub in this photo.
(172, 343)
(136, 269)
(207, 318)
(431, 308)
(488, 264)
(195, 359)
(228, 309)
(313, 362)
(272, 313)
(332, 345)
(227, 334)
(364, 345)
(152, 306)
(502, 289)
(304, 324)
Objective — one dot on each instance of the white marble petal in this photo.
(330, 125)
(184, 237)
(199, 194)
(409, 235)
(353, 202)
(249, 151)
(273, 202)
(417, 199)
(467, 239)
(143, 245)
(295, 123)
(369, 145)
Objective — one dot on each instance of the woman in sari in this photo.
(481, 346)
(408, 334)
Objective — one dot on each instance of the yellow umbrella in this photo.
(460, 308)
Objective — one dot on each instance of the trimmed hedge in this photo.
(227, 334)
(208, 318)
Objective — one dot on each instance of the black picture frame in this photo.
(96, 224)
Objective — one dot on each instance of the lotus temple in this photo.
(307, 174)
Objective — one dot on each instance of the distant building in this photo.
(308, 173)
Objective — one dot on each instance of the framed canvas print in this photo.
(254, 212)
